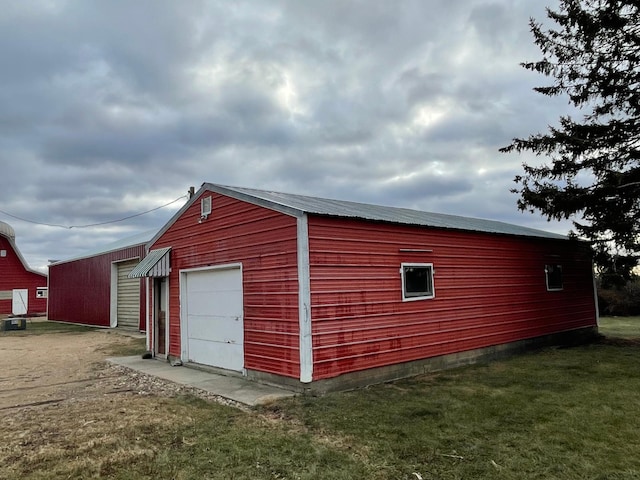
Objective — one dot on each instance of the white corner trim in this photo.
(304, 302)
(184, 334)
(113, 309)
(147, 313)
(167, 319)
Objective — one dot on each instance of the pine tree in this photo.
(592, 174)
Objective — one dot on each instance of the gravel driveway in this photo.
(58, 394)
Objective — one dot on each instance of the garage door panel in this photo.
(214, 328)
(225, 303)
(213, 353)
(219, 281)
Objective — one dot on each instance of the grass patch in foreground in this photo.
(556, 414)
(134, 346)
(559, 413)
(159, 438)
(40, 327)
(620, 327)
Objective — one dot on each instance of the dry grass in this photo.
(555, 414)
(40, 326)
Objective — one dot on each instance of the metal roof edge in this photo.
(378, 213)
(525, 231)
(86, 254)
(234, 192)
(24, 263)
(299, 205)
(227, 191)
(175, 217)
(84, 257)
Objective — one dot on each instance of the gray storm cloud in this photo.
(113, 108)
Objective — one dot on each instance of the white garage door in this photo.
(214, 327)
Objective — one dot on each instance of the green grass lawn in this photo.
(41, 326)
(620, 327)
(569, 413)
(135, 346)
(558, 413)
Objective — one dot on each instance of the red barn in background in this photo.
(23, 291)
(94, 288)
(323, 294)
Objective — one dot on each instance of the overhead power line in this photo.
(92, 224)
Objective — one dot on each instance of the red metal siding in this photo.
(265, 243)
(14, 276)
(489, 289)
(80, 290)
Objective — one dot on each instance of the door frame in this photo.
(156, 286)
(184, 327)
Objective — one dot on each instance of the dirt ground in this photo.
(58, 396)
(53, 368)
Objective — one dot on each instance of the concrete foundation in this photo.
(363, 378)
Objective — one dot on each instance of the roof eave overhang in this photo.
(24, 263)
(294, 212)
(270, 204)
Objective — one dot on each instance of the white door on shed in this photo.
(214, 318)
(20, 304)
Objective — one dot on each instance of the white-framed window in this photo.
(205, 207)
(417, 281)
(42, 292)
(553, 274)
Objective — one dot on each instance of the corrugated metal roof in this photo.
(7, 230)
(153, 258)
(138, 239)
(298, 204)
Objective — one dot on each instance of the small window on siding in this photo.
(553, 274)
(417, 281)
(3, 253)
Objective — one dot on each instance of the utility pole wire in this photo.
(69, 227)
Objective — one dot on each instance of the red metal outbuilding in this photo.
(23, 291)
(94, 288)
(323, 294)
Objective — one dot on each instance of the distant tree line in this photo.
(588, 165)
(615, 299)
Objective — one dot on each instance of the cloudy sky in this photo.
(109, 108)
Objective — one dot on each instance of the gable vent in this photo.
(205, 207)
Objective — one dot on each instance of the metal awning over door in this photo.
(157, 263)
